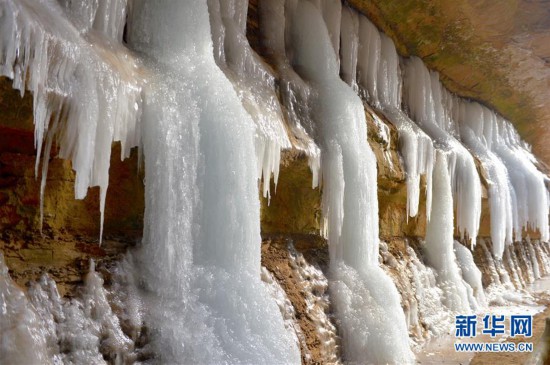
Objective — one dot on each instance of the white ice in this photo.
(429, 104)
(438, 248)
(65, 57)
(380, 83)
(202, 218)
(366, 301)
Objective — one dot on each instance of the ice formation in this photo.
(253, 82)
(528, 182)
(366, 301)
(65, 56)
(83, 330)
(430, 105)
(517, 191)
(294, 93)
(431, 311)
(371, 55)
(439, 239)
(476, 130)
(19, 325)
(204, 109)
(471, 275)
(287, 310)
(202, 223)
(316, 295)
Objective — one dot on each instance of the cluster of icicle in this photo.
(188, 89)
(458, 127)
(86, 86)
(439, 132)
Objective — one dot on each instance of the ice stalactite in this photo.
(372, 321)
(517, 191)
(349, 46)
(202, 222)
(430, 105)
(294, 93)
(477, 132)
(439, 239)
(371, 65)
(64, 60)
(253, 81)
(528, 182)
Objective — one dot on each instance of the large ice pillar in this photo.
(208, 304)
(373, 324)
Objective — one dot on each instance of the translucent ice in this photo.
(439, 240)
(430, 105)
(366, 300)
(65, 57)
(202, 216)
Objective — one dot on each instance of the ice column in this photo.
(366, 301)
(439, 240)
(476, 130)
(371, 55)
(430, 105)
(199, 263)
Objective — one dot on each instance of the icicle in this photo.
(253, 81)
(349, 46)
(368, 60)
(63, 65)
(430, 105)
(294, 92)
(376, 68)
(439, 240)
(476, 129)
(365, 299)
(531, 198)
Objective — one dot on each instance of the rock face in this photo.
(499, 54)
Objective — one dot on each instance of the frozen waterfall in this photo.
(211, 115)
